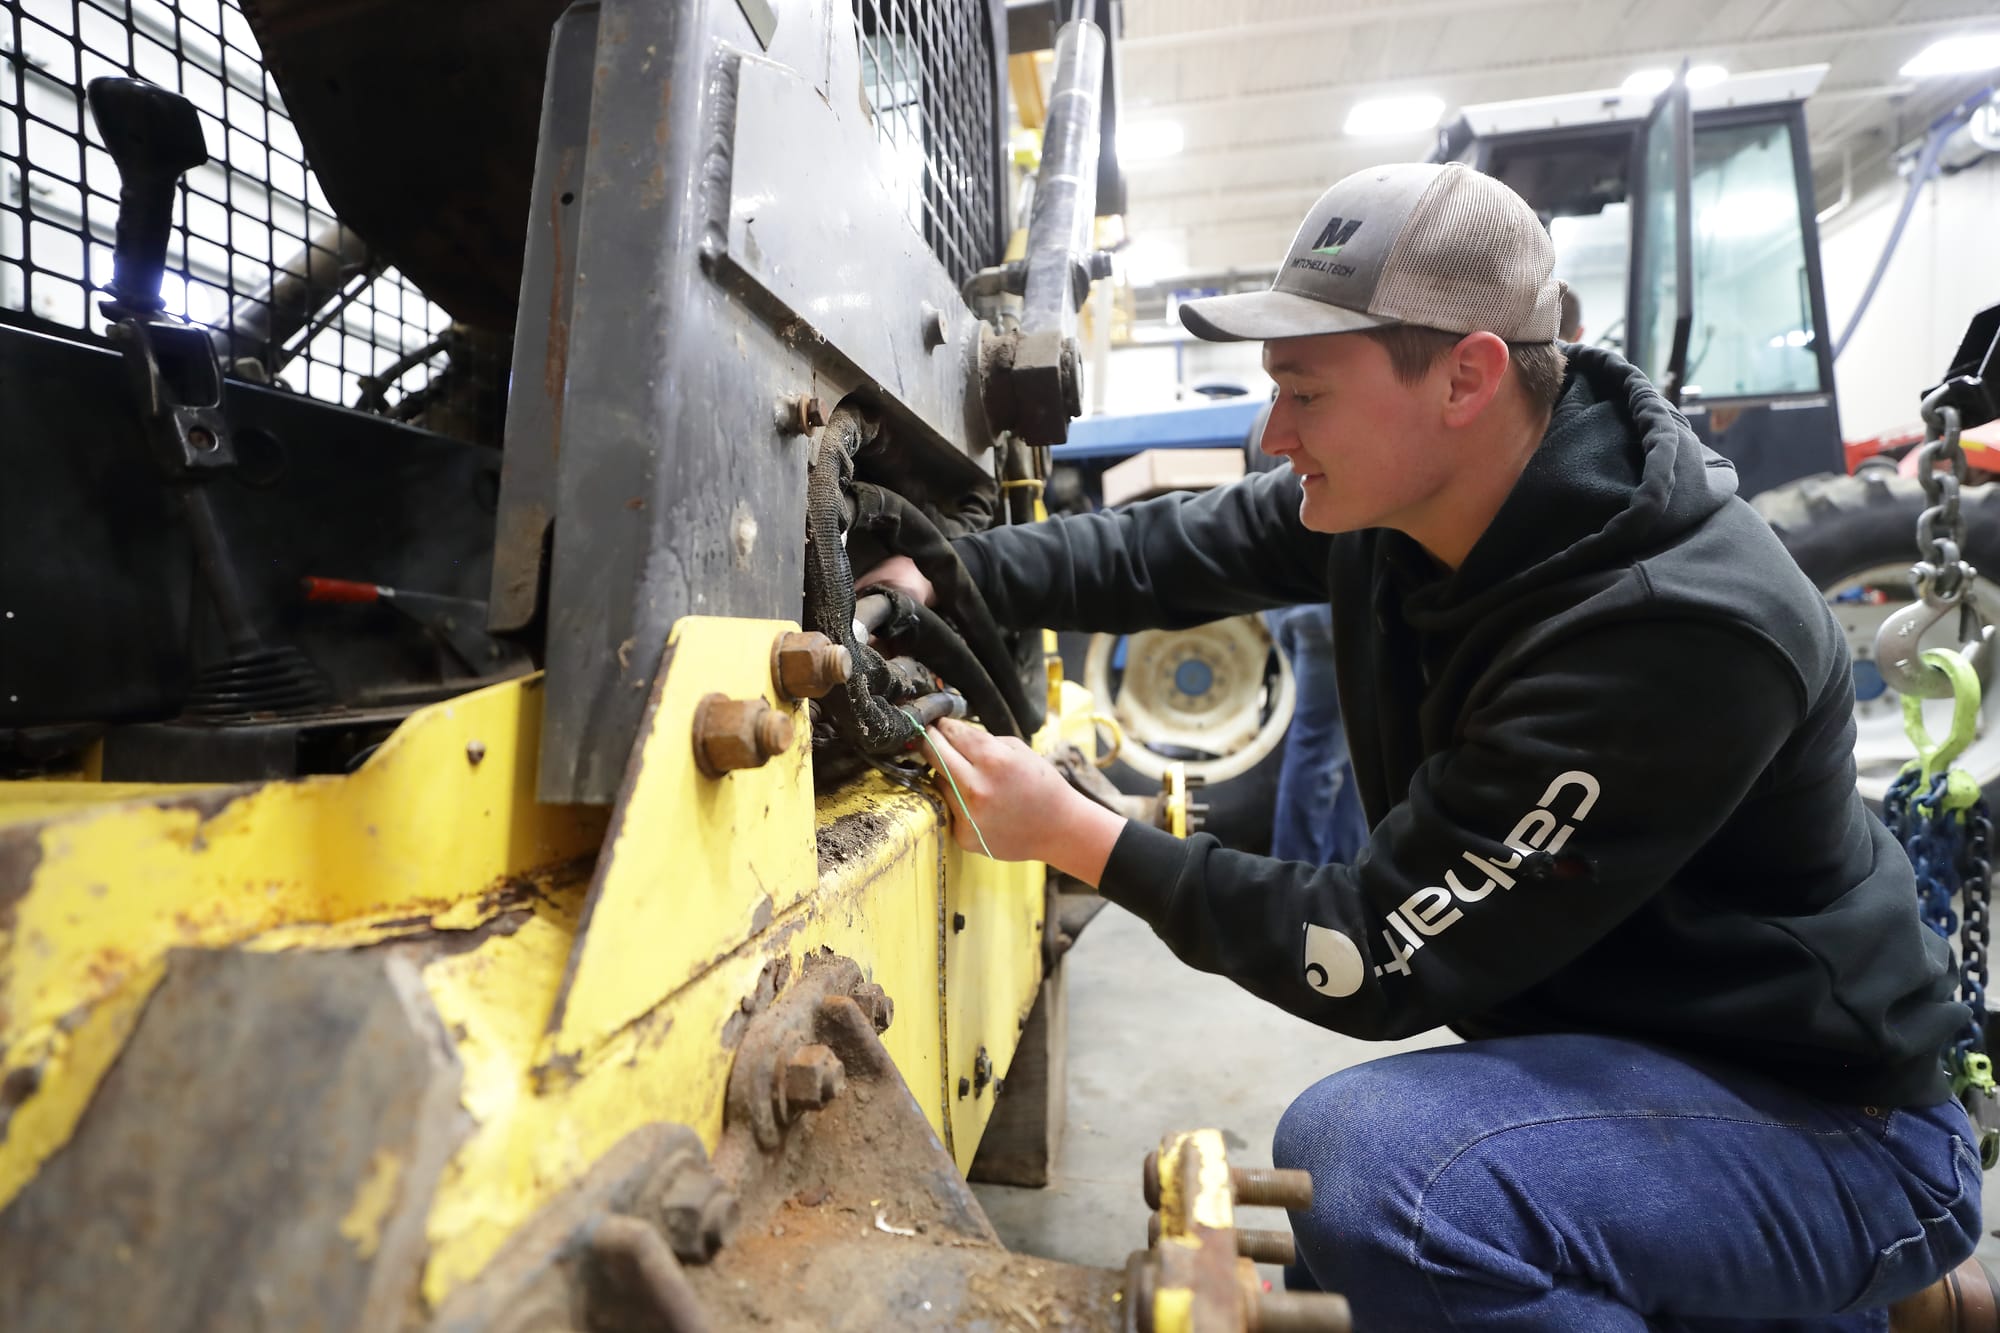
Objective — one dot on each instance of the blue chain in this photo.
(1951, 856)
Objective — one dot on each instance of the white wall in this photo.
(1151, 376)
(1946, 269)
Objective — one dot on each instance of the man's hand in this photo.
(901, 573)
(1022, 805)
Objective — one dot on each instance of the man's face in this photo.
(1365, 444)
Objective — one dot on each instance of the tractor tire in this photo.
(1855, 538)
(1240, 808)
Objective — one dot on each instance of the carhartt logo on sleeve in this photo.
(1432, 911)
(1333, 962)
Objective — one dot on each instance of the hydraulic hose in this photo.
(858, 713)
(907, 530)
(945, 651)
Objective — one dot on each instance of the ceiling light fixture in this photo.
(1150, 140)
(1393, 115)
(1706, 76)
(1964, 53)
(1647, 82)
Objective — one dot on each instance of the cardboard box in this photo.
(1157, 471)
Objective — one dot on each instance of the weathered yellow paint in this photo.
(24, 802)
(692, 865)
(704, 882)
(879, 906)
(1173, 1310)
(1214, 1202)
(372, 1202)
(71, 1064)
(92, 896)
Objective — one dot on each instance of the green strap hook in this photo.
(1934, 757)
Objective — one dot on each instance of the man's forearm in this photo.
(1081, 840)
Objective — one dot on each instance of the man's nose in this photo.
(1280, 438)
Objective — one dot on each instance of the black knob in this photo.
(154, 136)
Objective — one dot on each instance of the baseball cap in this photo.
(1435, 244)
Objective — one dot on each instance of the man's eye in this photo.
(1304, 399)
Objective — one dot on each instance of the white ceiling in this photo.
(1260, 89)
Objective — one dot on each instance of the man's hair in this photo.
(1413, 350)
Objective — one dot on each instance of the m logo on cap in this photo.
(1336, 233)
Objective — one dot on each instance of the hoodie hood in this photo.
(1618, 474)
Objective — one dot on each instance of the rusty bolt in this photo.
(806, 415)
(936, 332)
(813, 1077)
(474, 752)
(696, 1214)
(875, 1003)
(737, 733)
(809, 665)
(1271, 1187)
(201, 439)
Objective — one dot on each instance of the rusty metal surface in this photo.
(533, 433)
(180, 1186)
(448, 206)
(853, 1215)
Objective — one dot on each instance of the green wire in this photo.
(945, 769)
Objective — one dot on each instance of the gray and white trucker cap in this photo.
(1443, 246)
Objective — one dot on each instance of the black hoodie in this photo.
(1608, 763)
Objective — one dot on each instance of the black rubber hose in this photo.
(862, 718)
(942, 648)
(907, 530)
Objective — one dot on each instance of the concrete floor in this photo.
(1155, 1046)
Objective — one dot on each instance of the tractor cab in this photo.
(1684, 225)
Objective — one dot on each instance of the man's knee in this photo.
(1359, 1133)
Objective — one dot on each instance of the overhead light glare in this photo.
(1394, 115)
(1647, 82)
(1706, 76)
(1150, 140)
(1965, 53)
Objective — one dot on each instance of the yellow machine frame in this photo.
(608, 950)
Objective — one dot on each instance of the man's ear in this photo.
(1475, 370)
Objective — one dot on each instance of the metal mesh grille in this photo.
(933, 81)
(250, 226)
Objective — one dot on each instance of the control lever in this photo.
(154, 136)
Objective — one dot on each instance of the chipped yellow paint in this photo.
(706, 881)
(327, 862)
(1173, 1310)
(880, 907)
(1213, 1204)
(37, 799)
(692, 865)
(372, 1202)
(71, 1063)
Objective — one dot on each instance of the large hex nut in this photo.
(697, 1213)
(875, 1003)
(809, 665)
(813, 1077)
(737, 733)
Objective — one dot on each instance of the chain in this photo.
(1941, 571)
(1975, 881)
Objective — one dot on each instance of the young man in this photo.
(1602, 728)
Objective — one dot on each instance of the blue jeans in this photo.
(1318, 819)
(1594, 1183)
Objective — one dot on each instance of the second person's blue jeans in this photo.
(1602, 1185)
(1318, 818)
